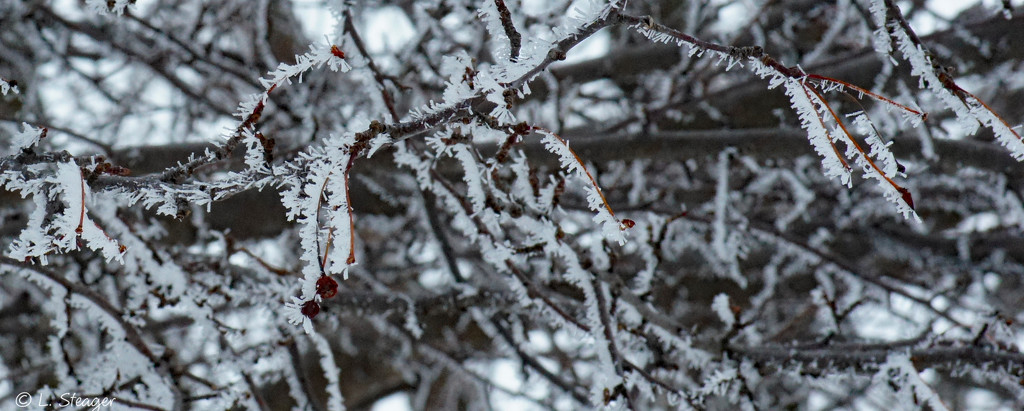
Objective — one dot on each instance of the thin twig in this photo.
(389, 101)
(514, 38)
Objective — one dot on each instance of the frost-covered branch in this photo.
(945, 355)
(383, 214)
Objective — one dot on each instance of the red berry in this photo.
(326, 287)
(627, 223)
(310, 309)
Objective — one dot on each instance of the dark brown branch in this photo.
(237, 72)
(106, 148)
(537, 366)
(609, 339)
(131, 333)
(389, 101)
(761, 144)
(431, 211)
(841, 265)
(868, 357)
(300, 374)
(153, 62)
(746, 104)
(255, 392)
(514, 38)
(893, 11)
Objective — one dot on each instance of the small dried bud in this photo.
(648, 22)
(337, 52)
